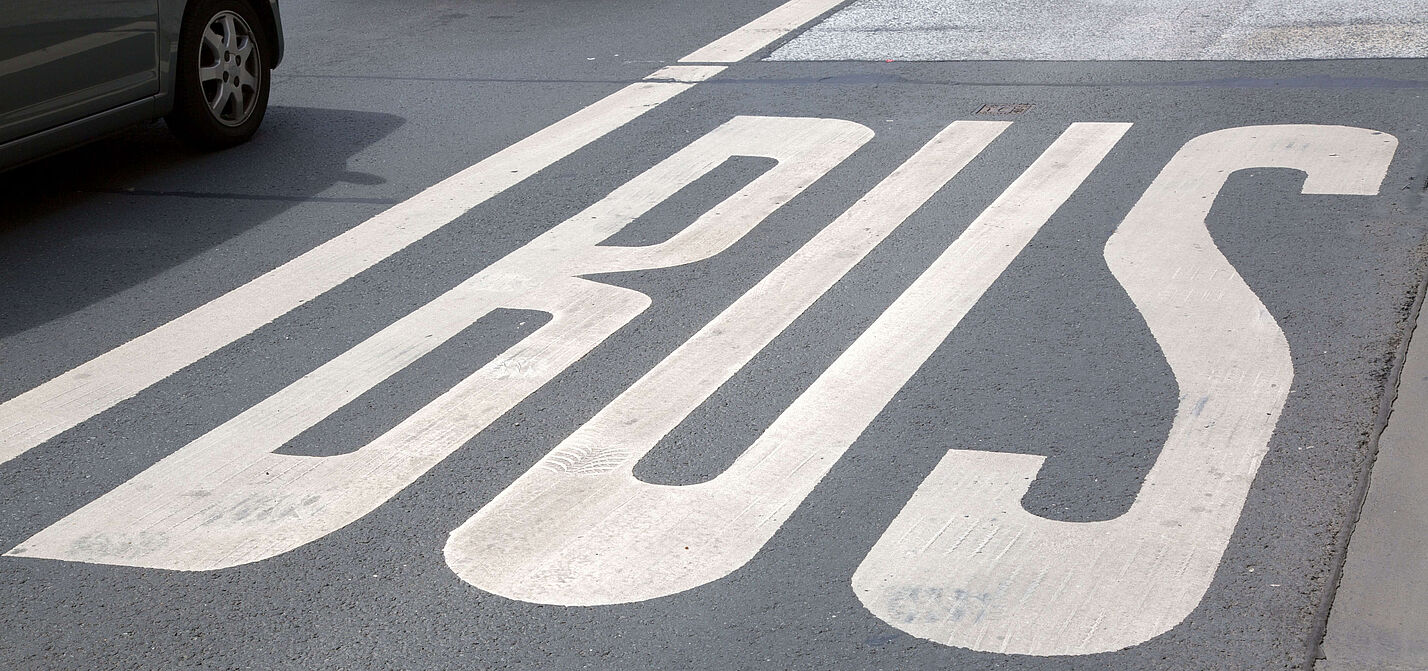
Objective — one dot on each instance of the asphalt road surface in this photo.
(633, 335)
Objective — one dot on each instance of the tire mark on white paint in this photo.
(226, 499)
(1187, 509)
(534, 544)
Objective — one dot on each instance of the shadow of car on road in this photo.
(86, 224)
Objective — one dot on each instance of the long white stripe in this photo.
(39, 414)
(226, 499)
(761, 32)
(964, 564)
(580, 529)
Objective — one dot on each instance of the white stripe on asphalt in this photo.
(761, 32)
(43, 412)
(579, 529)
(964, 564)
(57, 405)
(226, 499)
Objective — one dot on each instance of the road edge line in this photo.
(1385, 411)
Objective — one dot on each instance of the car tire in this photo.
(222, 75)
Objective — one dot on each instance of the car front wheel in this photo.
(221, 79)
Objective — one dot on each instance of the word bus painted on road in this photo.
(962, 564)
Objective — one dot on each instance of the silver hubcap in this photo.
(228, 68)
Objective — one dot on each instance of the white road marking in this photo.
(761, 32)
(225, 499)
(35, 416)
(964, 564)
(580, 529)
(97, 385)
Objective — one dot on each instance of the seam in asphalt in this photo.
(246, 196)
(1308, 82)
(1341, 546)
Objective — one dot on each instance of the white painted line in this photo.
(761, 32)
(688, 74)
(567, 533)
(44, 412)
(1030, 585)
(226, 499)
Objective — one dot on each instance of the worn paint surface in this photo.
(1056, 362)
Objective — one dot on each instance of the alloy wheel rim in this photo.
(229, 66)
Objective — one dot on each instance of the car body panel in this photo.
(75, 70)
(62, 61)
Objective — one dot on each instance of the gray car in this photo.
(74, 70)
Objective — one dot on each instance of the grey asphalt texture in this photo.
(378, 100)
(1098, 30)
